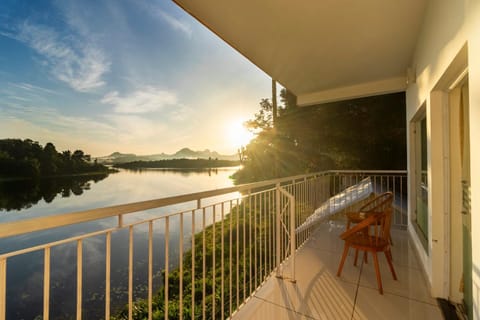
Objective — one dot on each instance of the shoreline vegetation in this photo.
(178, 164)
(244, 228)
(27, 159)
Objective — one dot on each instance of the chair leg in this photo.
(365, 256)
(377, 272)
(356, 258)
(388, 255)
(344, 256)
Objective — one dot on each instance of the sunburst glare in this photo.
(237, 134)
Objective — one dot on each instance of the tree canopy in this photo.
(27, 158)
(365, 134)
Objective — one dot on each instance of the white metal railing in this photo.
(201, 262)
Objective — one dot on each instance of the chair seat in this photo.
(357, 217)
(362, 241)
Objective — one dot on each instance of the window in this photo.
(420, 217)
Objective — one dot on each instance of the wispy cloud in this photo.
(51, 118)
(135, 129)
(172, 21)
(73, 60)
(31, 88)
(49, 125)
(146, 99)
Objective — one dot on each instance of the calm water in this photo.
(25, 273)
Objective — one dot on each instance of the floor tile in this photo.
(371, 305)
(410, 282)
(261, 309)
(319, 294)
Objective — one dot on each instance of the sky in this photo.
(136, 76)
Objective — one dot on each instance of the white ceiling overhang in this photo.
(321, 50)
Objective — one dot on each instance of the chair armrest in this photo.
(372, 219)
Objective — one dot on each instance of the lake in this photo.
(24, 200)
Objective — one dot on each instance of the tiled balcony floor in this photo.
(320, 294)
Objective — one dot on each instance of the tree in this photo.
(28, 158)
(367, 133)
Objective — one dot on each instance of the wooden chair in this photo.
(379, 203)
(361, 238)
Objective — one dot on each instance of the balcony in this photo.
(233, 252)
(319, 294)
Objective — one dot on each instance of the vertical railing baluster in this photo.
(401, 200)
(269, 230)
(254, 240)
(292, 236)
(150, 269)
(167, 247)
(277, 228)
(238, 253)
(230, 261)
(213, 261)
(130, 272)
(250, 247)
(265, 234)
(222, 265)
(79, 278)
(108, 259)
(244, 247)
(204, 255)
(3, 288)
(193, 265)
(46, 284)
(259, 238)
(394, 212)
(180, 256)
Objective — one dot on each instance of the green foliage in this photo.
(367, 133)
(240, 232)
(27, 159)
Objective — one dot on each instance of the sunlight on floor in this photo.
(319, 294)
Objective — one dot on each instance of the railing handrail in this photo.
(266, 213)
(20, 227)
(368, 171)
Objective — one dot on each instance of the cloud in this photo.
(146, 99)
(49, 125)
(32, 88)
(51, 118)
(135, 129)
(172, 21)
(73, 60)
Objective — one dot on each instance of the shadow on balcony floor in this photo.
(319, 294)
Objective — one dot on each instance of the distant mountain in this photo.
(185, 153)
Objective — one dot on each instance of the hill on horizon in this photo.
(184, 153)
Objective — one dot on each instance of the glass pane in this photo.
(420, 218)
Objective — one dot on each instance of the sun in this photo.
(237, 134)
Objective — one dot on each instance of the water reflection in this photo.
(185, 171)
(25, 272)
(23, 194)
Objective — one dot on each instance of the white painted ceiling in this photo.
(320, 49)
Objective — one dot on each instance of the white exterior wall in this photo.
(449, 26)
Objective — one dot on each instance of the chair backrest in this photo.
(380, 220)
(380, 203)
(382, 224)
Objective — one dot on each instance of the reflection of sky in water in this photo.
(24, 298)
(128, 186)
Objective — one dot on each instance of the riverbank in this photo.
(60, 176)
(178, 164)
